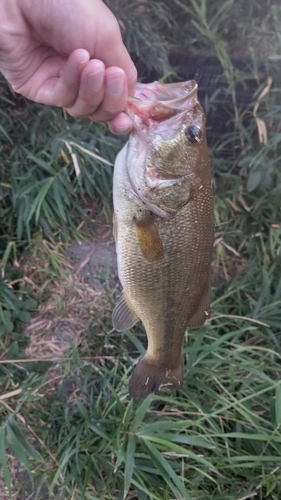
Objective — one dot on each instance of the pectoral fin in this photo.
(123, 316)
(202, 312)
(149, 240)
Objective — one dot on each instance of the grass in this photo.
(218, 438)
(68, 427)
(50, 168)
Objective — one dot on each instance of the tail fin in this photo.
(149, 377)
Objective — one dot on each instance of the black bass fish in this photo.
(163, 228)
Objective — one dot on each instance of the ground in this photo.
(63, 320)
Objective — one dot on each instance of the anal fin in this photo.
(123, 316)
(202, 312)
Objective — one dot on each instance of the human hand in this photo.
(70, 54)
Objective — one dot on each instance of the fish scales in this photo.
(163, 243)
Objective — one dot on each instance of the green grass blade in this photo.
(168, 474)
(3, 460)
(129, 464)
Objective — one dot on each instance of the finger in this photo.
(91, 91)
(115, 95)
(56, 81)
(116, 55)
(121, 124)
(67, 87)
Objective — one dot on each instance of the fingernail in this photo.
(122, 131)
(95, 80)
(86, 57)
(115, 84)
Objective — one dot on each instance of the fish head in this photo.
(167, 150)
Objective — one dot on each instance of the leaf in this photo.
(36, 205)
(3, 460)
(168, 474)
(98, 431)
(254, 180)
(10, 249)
(141, 412)
(82, 409)
(17, 447)
(129, 464)
(28, 304)
(278, 405)
(24, 317)
(136, 342)
(58, 199)
(169, 446)
(41, 163)
(219, 15)
(22, 445)
(5, 134)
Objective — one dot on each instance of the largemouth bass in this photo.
(163, 227)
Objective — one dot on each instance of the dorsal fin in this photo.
(202, 311)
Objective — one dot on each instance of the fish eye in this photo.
(194, 134)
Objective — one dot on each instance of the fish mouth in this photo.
(157, 102)
(158, 111)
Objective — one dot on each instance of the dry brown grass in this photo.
(63, 319)
(65, 316)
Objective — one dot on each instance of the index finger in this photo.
(111, 50)
(118, 56)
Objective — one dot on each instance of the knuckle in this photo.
(113, 28)
(80, 109)
(112, 106)
(66, 103)
(100, 116)
(76, 113)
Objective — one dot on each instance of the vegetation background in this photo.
(68, 427)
